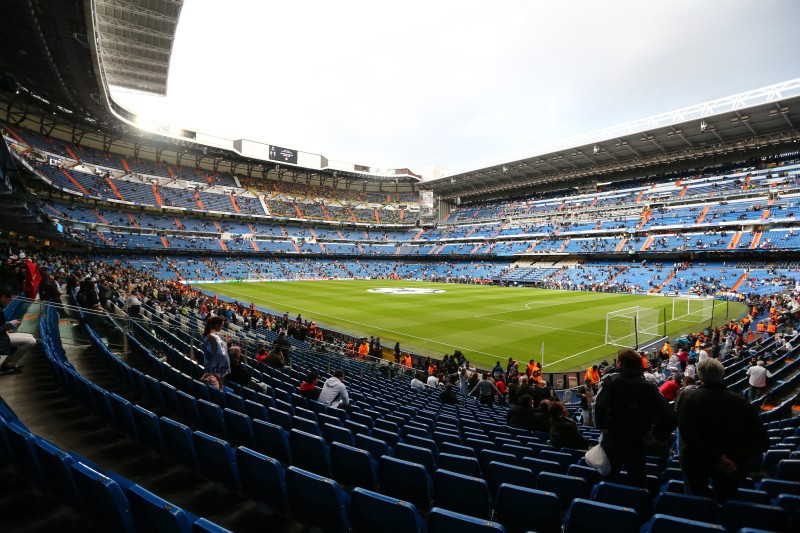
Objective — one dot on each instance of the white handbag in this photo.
(596, 458)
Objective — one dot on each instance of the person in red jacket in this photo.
(671, 387)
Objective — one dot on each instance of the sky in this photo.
(416, 83)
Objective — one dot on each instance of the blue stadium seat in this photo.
(323, 419)
(585, 516)
(123, 415)
(234, 401)
(216, 460)
(262, 479)
(375, 512)
(104, 503)
(753, 496)
(624, 496)
(788, 470)
(661, 523)
(206, 526)
(422, 442)
(499, 473)
(178, 443)
(478, 445)
(521, 452)
(21, 449)
(212, 421)
(588, 473)
(457, 449)
(306, 425)
(56, 468)
(169, 397)
(317, 501)
(416, 454)
(487, 456)
(537, 466)
(468, 466)
(774, 487)
(462, 494)
(152, 513)
(356, 428)
(387, 436)
(272, 440)
(255, 410)
(188, 406)
(239, 428)
(147, 429)
(310, 452)
(772, 458)
(563, 459)
(686, 506)
(567, 488)
(444, 521)
(442, 437)
(376, 447)
(735, 515)
(353, 466)
(402, 479)
(281, 418)
(334, 433)
(513, 500)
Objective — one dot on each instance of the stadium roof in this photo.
(134, 40)
(770, 115)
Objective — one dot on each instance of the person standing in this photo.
(721, 434)
(397, 353)
(485, 390)
(215, 349)
(757, 375)
(586, 393)
(11, 344)
(629, 410)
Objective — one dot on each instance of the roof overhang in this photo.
(133, 40)
(770, 115)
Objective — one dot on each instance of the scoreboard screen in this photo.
(284, 155)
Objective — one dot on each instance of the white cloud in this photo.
(416, 83)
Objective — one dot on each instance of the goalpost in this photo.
(635, 326)
(693, 308)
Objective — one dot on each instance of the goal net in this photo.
(692, 308)
(634, 327)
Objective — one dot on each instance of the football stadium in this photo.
(352, 267)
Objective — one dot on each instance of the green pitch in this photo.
(486, 323)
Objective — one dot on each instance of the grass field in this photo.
(486, 323)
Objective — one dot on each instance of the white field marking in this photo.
(573, 355)
(535, 325)
(551, 304)
(373, 327)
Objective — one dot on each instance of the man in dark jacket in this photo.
(721, 434)
(283, 346)
(629, 409)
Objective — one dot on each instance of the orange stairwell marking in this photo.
(703, 214)
(683, 191)
(296, 248)
(352, 215)
(103, 238)
(72, 154)
(125, 165)
(165, 241)
(418, 235)
(100, 217)
(402, 214)
(645, 218)
(252, 229)
(501, 228)
(325, 212)
(669, 278)
(470, 232)
(75, 182)
(639, 198)
(159, 201)
(212, 267)
(171, 172)
(133, 220)
(739, 282)
(253, 244)
(765, 214)
(14, 133)
(756, 240)
(734, 240)
(216, 225)
(114, 189)
(235, 205)
(199, 201)
(476, 248)
(297, 210)
(178, 223)
(222, 245)
(593, 202)
(771, 201)
(647, 243)
(531, 247)
(377, 216)
(563, 245)
(621, 244)
(321, 247)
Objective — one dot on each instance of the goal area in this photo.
(635, 327)
(692, 308)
